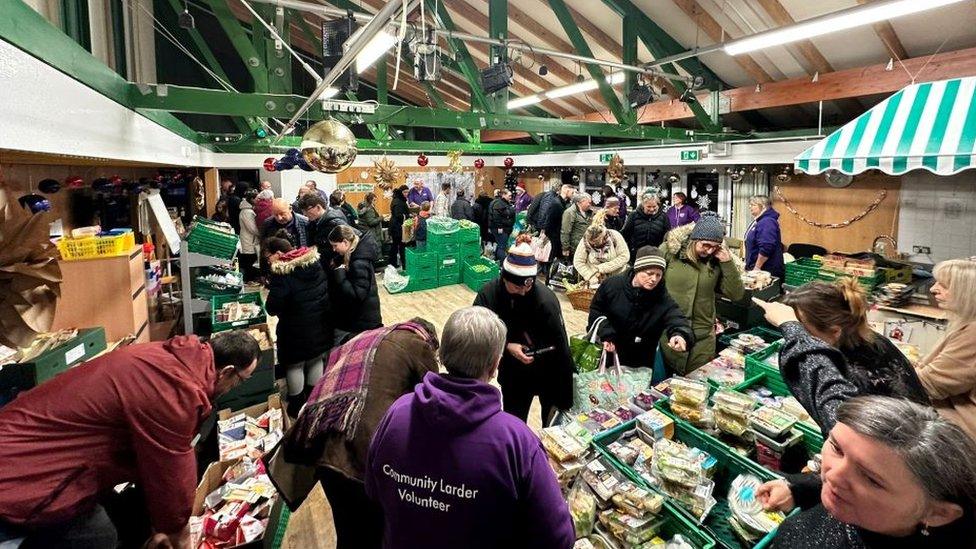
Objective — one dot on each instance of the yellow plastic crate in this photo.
(96, 246)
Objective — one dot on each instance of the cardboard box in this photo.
(274, 401)
(25, 375)
(211, 480)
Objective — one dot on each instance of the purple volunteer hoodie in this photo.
(450, 469)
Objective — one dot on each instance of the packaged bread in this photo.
(689, 392)
(561, 445)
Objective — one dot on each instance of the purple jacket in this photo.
(419, 197)
(763, 237)
(522, 202)
(682, 216)
(450, 469)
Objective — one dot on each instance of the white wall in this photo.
(938, 212)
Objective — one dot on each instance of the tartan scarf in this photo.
(338, 399)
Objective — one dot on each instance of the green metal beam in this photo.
(203, 49)
(468, 68)
(205, 101)
(253, 61)
(28, 30)
(404, 146)
(660, 44)
(438, 100)
(275, 58)
(498, 29)
(579, 43)
(628, 55)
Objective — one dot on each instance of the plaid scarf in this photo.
(337, 401)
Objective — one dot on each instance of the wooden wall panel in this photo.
(815, 200)
(353, 175)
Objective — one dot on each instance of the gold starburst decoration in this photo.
(386, 173)
(454, 161)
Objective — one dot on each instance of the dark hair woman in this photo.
(830, 354)
(369, 219)
(298, 296)
(399, 211)
(353, 284)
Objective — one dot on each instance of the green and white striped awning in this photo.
(930, 126)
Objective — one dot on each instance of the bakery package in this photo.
(749, 520)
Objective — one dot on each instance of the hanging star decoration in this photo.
(454, 161)
(616, 169)
(385, 173)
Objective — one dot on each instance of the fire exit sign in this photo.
(606, 157)
(690, 156)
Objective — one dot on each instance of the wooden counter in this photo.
(107, 291)
(923, 311)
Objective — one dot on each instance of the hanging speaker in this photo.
(335, 34)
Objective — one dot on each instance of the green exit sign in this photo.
(690, 156)
(606, 157)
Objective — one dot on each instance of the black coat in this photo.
(501, 215)
(480, 209)
(461, 209)
(535, 320)
(355, 300)
(399, 212)
(821, 378)
(552, 216)
(319, 231)
(642, 229)
(298, 295)
(636, 318)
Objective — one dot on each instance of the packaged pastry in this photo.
(746, 508)
(629, 529)
(637, 501)
(602, 479)
(733, 402)
(655, 424)
(771, 421)
(646, 399)
(644, 450)
(689, 392)
(624, 453)
(732, 424)
(688, 413)
(561, 445)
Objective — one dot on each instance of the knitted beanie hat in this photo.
(709, 227)
(520, 261)
(647, 257)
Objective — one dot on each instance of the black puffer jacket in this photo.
(354, 297)
(642, 229)
(636, 318)
(299, 297)
(399, 211)
(501, 215)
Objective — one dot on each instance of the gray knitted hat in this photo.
(709, 227)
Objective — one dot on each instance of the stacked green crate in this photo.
(422, 270)
(442, 234)
(478, 271)
(448, 268)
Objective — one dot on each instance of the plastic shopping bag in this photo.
(393, 280)
(585, 350)
(541, 248)
(608, 389)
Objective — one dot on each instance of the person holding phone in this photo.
(534, 322)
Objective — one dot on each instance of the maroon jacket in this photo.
(129, 416)
(263, 211)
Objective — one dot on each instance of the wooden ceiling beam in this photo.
(888, 36)
(714, 30)
(833, 86)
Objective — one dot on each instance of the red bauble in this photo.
(269, 164)
(509, 162)
(479, 163)
(115, 180)
(74, 182)
(422, 160)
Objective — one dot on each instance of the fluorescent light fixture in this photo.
(374, 49)
(616, 78)
(572, 89)
(329, 93)
(833, 22)
(520, 102)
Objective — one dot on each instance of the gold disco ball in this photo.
(329, 146)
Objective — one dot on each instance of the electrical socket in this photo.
(923, 250)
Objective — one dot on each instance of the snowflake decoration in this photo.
(597, 197)
(703, 202)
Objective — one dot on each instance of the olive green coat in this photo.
(694, 286)
(371, 222)
(574, 226)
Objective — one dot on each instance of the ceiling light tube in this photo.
(329, 93)
(832, 22)
(572, 89)
(520, 102)
(374, 49)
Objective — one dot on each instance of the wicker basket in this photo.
(580, 298)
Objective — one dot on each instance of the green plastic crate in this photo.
(217, 301)
(469, 250)
(449, 279)
(441, 232)
(730, 465)
(475, 280)
(813, 439)
(448, 263)
(205, 288)
(206, 238)
(468, 235)
(421, 264)
(806, 269)
(419, 284)
(756, 365)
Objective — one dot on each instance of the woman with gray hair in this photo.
(647, 225)
(894, 474)
(446, 461)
